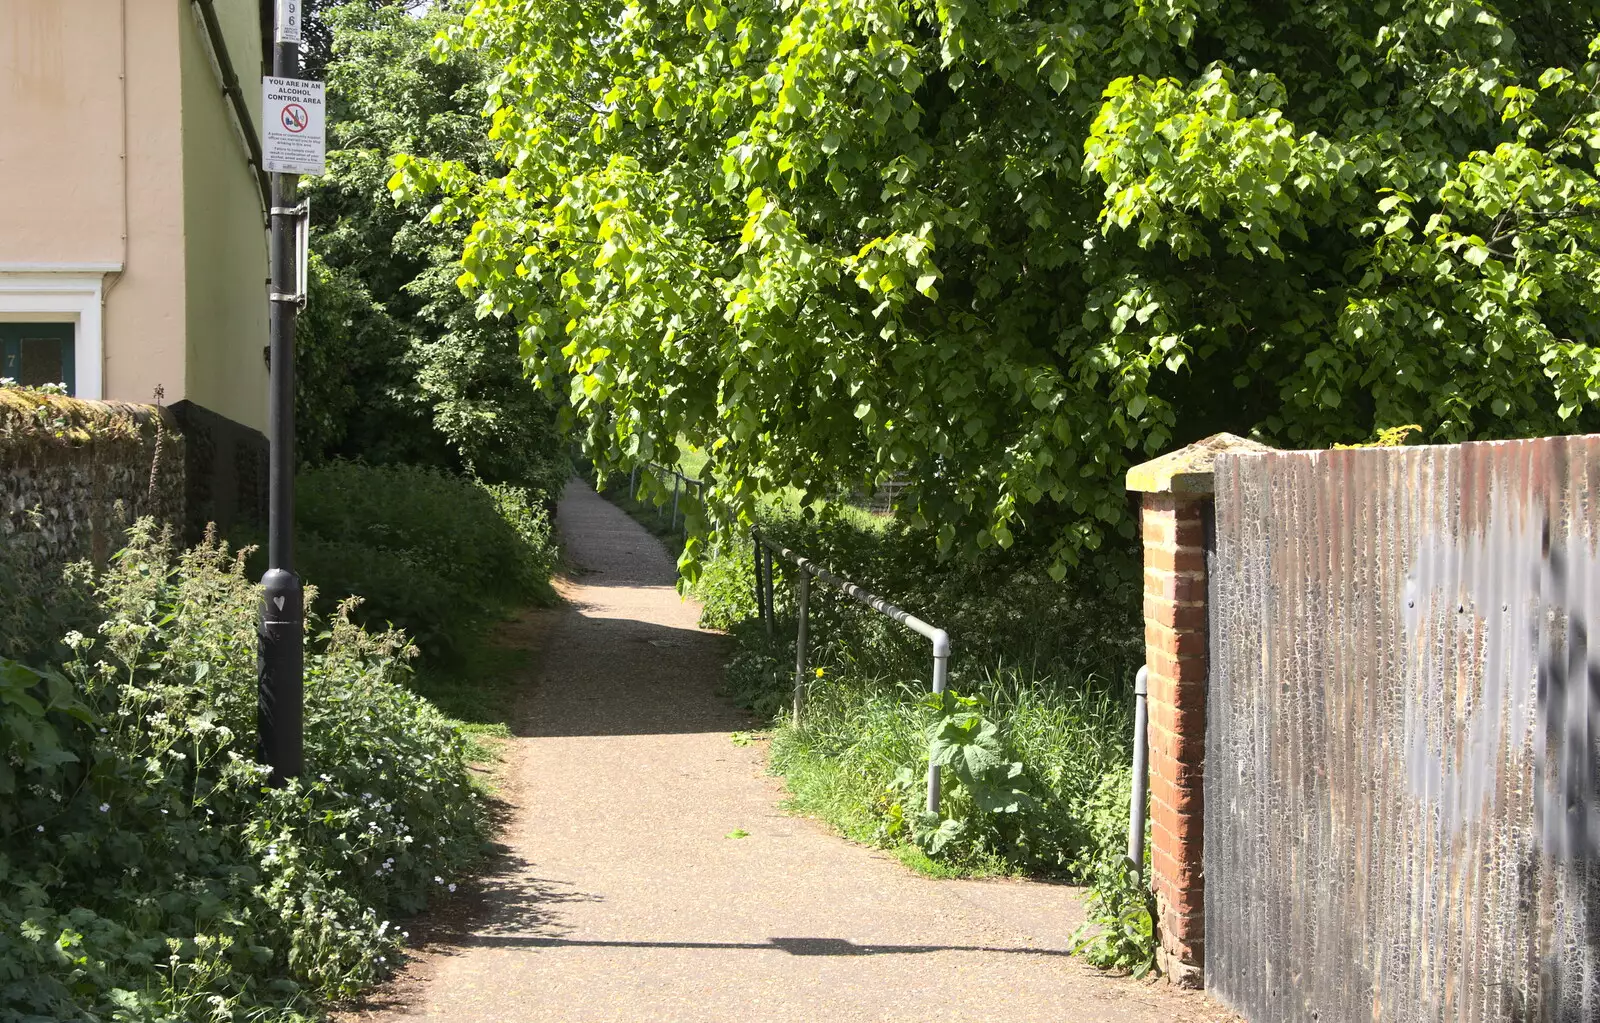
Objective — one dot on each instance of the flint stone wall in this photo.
(74, 473)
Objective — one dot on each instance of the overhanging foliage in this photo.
(1006, 250)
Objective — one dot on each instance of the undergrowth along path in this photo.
(624, 891)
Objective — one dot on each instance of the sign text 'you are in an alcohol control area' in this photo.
(293, 126)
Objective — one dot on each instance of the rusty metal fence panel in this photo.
(1403, 735)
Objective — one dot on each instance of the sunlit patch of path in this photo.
(620, 895)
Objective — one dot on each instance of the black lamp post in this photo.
(280, 659)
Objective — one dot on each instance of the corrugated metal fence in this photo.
(1403, 736)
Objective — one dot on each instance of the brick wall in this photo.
(1175, 651)
(1175, 512)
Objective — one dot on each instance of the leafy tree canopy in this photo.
(393, 364)
(318, 29)
(1004, 250)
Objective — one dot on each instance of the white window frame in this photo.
(75, 294)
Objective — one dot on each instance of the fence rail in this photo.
(680, 485)
(765, 549)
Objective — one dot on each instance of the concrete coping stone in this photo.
(1189, 470)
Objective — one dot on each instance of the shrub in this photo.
(428, 551)
(1041, 666)
(1119, 929)
(40, 600)
(147, 871)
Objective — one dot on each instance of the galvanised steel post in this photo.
(633, 483)
(1141, 773)
(755, 559)
(803, 596)
(766, 584)
(280, 653)
(941, 676)
(677, 482)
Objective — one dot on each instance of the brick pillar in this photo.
(1175, 651)
(1176, 501)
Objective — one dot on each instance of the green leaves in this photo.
(1118, 932)
(1005, 252)
(968, 745)
(39, 711)
(149, 873)
(960, 738)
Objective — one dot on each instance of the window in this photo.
(38, 353)
(55, 304)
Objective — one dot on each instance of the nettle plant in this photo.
(1003, 251)
(147, 871)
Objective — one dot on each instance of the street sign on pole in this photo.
(293, 126)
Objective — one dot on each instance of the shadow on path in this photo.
(648, 874)
(793, 946)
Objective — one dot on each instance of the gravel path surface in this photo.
(619, 896)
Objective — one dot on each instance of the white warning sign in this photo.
(293, 126)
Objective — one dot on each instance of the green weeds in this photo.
(148, 872)
(1033, 738)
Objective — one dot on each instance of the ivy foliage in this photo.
(1005, 250)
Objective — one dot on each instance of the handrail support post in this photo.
(803, 598)
(755, 568)
(941, 678)
(1141, 774)
(766, 585)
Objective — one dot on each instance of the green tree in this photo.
(316, 46)
(394, 366)
(1005, 250)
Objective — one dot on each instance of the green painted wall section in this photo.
(224, 225)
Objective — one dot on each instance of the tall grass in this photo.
(1050, 663)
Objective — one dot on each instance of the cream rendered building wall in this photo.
(61, 147)
(141, 221)
(102, 229)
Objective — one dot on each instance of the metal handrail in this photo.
(765, 549)
(679, 481)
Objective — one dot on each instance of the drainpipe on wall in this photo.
(114, 279)
(217, 45)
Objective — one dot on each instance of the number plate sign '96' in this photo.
(289, 12)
